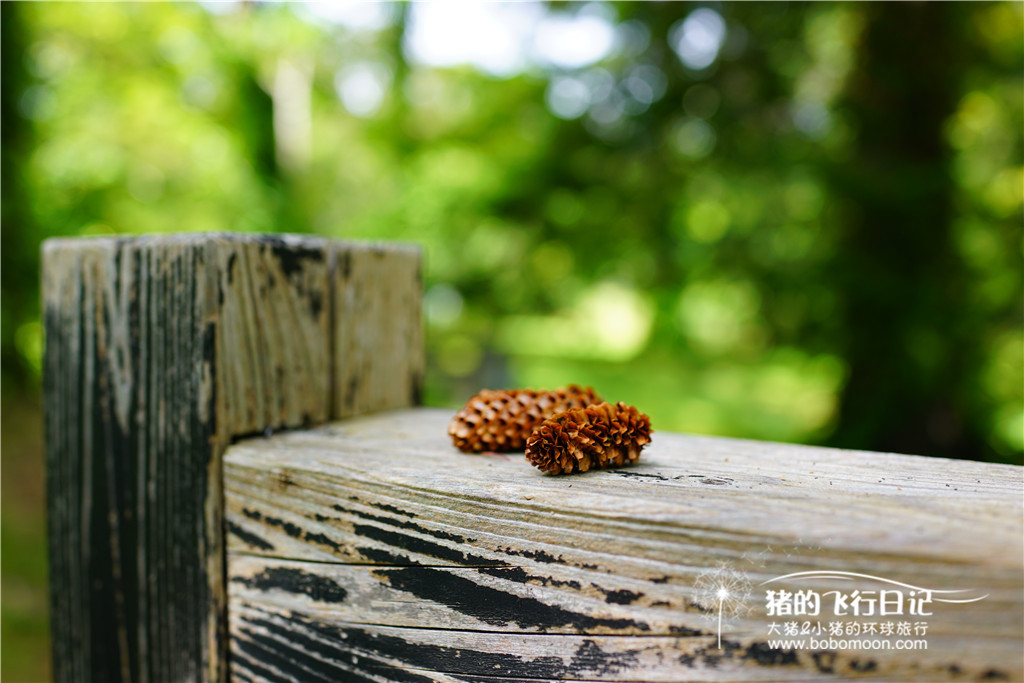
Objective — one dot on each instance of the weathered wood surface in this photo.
(160, 350)
(373, 548)
(377, 334)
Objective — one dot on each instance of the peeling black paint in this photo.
(520, 575)
(232, 262)
(732, 651)
(713, 656)
(249, 538)
(346, 264)
(252, 514)
(491, 605)
(379, 556)
(588, 661)
(319, 655)
(825, 661)
(590, 657)
(538, 555)
(289, 528)
(421, 546)
(391, 508)
(284, 666)
(290, 580)
(390, 656)
(430, 657)
(701, 608)
(323, 540)
(863, 667)
(620, 596)
(292, 257)
(765, 655)
(402, 524)
(248, 656)
(294, 530)
(545, 557)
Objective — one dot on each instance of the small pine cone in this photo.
(502, 420)
(597, 436)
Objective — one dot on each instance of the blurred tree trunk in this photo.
(397, 117)
(19, 237)
(897, 269)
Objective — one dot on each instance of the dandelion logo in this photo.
(724, 593)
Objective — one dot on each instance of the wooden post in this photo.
(161, 350)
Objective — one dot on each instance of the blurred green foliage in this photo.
(817, 237)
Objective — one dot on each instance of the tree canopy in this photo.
(783, 221)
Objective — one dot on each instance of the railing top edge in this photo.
(296, 240)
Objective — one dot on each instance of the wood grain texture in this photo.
(160, 350)
(378, 339)
(375, 541)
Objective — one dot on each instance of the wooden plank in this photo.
(299, 648)
(378, 522)
(160, 350)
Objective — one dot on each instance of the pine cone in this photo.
(502, 420)
(598, 436)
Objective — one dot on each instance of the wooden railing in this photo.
(370, 549)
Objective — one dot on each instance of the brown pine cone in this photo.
(597, 436)
(502, 420)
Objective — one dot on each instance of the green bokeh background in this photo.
(817, 239)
